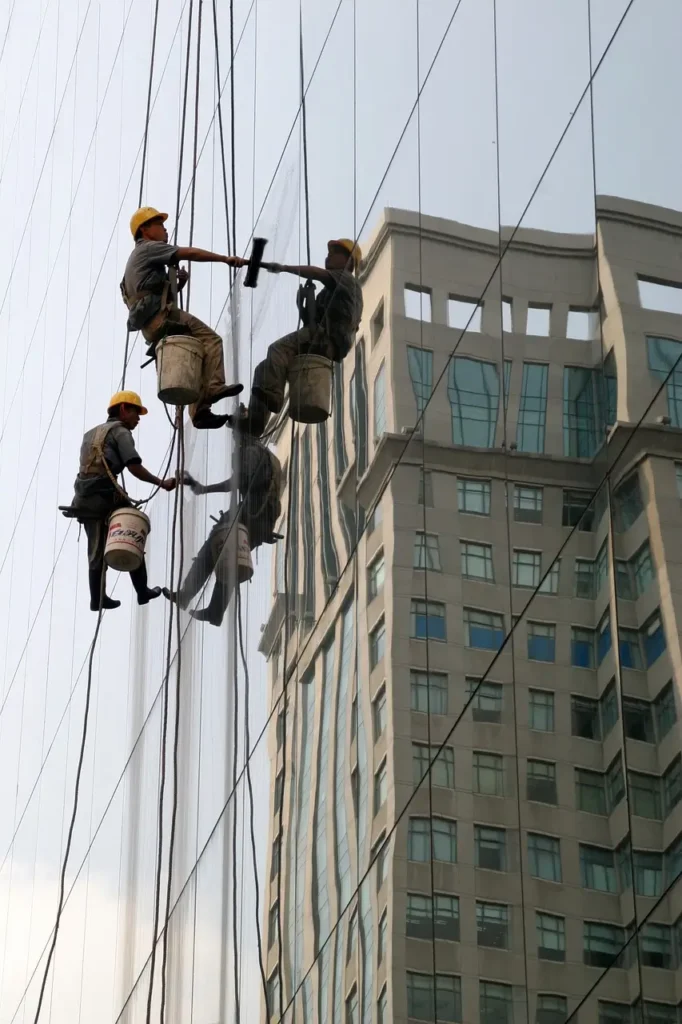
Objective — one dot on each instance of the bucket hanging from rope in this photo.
(179, 360)
(310, 389)
(126, 539)
(225, 540)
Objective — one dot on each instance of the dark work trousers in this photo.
(271, 375)
(202, 567)
(96, 510)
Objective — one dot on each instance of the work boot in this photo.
(251, 421)
(175, 596)
(145, 594)
(226, 391)
(207, 420)
(215, 610)
(95, 582)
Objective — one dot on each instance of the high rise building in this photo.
(474, 823)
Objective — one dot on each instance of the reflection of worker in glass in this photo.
(259, 483)
(105, 452)
(330, 322)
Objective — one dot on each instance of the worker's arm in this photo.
(140, 473)
(309, 273)
(224, 487)
(194, 255)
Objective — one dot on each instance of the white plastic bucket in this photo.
(224, 540)
(126, 538)
(178, 369)
(310, 389)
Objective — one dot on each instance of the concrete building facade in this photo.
(477, 783)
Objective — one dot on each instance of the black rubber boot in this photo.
(175, 596)
(226, 391)
(207, 420)
(145, 594)
(215, 610)
(95, 582)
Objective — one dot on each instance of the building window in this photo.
(608, 707)
(425, 489)
(541, 781)
(590, 791)
(527, 504)
(428, 620)
(417, 303)
(426, 552)
(615, 783)
(492, 925)
(491, 848)
(602, 943)
(630, 653)
(380, 403)
(648, 873)
(673, 860)
(351, 945)
(672, 784)
(603, 637)
(446, 917)
(424, 921)
(582, 324)
(581, 411)
(496, 1004)
(379, 713)
(541, 641)
(442, 764)
(377, 644)
(419, 923)
(444, 834)
(544, 857)
(477, 561)
(507, 315)
(279, 790)
(375, 577)
(488, 774)
(273, 917)
(638, 721)
(578, 510)
(465, 314)
(585, 718)
(375, 518)
(537, 321)
(420, 367)
(551, 933)
(551, 1010)
(541, 710)
(383, 935)
(273, 992)
(597, 868)
(614, 1013)
(642, 568)
(582, 647)
(445, 1004)
(382, 1007)
(664, 355)
(664, 710)
(429, 692)
(274, 858)
(653, 639)
(377, 323)
(660, 295)
(473, 496)
(352, 1008)
(486, 705)
(657, 946)
(627, 504)
(550, 583)
(584, 579)
(380, 787)
(526, 568)
(530, 431)
(474, 393)
(645, 793)
(484, 630)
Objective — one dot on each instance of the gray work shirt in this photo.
(144, 280)
(339, 305)
(118, 450)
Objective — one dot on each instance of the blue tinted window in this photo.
(483, 629)
(541, 641)
(604, 639)
(474, 393)
(420, 366)
(663, 356)
(428, 620)
(582, 648)
(654, 639)
(581, 412)
(530, 433)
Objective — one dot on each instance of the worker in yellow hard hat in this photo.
(106, 451)
(153, 308)
(330, 322)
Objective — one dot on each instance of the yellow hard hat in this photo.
(351, 247)
(129, 398)
(143, 216)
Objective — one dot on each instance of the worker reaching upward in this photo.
(330, 322)
(106, 451)
(147, 292)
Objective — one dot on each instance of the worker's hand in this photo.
(274, 268)
(183, 277)
(168, 485)
(235, 261)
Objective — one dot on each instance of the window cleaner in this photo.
(106, 451)
(259, 483)
(331, 318)
(149, 289)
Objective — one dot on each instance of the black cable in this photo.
(304, 130)
(183, 123)
(247, 762)
(221, 130)
(235, 751)
(233, 132)
(76, 794)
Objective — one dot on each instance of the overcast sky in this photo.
(73, 81)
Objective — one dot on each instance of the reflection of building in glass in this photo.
(554, 816)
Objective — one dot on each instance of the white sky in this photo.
(72, 95)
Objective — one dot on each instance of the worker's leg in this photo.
(96, 533)
(145, 593)
(270, 376)
(201, 569)
(213, 386)
(217, 606)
